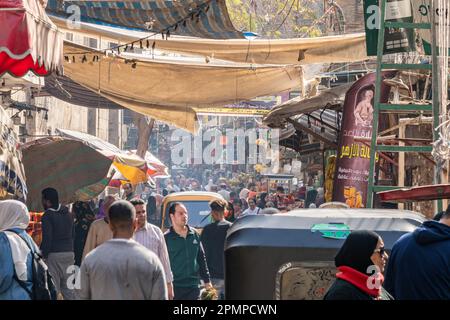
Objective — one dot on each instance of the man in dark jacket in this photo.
(186, 255)
(419, 267)
(57, 240)
(213, 240)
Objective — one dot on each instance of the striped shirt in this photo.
(152, 238)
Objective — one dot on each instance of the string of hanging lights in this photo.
(194, 15)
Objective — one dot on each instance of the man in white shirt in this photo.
(121, 268)
(252, 209)
(152, 238)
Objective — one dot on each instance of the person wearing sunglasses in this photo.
(360, 262)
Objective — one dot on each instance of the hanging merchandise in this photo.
(396, 39)
(12, 176)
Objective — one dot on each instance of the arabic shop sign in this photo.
(353, 159)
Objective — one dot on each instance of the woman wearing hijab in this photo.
(15, 255)
(360, 262)
(84, 216)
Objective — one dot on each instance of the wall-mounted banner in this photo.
(422, 14)
(12, 177)
(353, 160)
(395, 39)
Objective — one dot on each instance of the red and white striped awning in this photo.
(29, 41)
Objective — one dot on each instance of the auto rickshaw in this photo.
(197, 205)
(290, 256)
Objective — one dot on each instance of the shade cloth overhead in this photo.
(29, 40)
(327, 98)
(168, 90)
(331, 49)
(65, 89)
(69, 166)
(210, 17)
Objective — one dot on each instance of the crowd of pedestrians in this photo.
(122, 256)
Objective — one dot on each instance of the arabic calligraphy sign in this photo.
(353, 160)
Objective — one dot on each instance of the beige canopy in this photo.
(331, 49)
(167, 91)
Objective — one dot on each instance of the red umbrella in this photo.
(29, 41)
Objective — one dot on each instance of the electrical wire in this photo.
(200, 9)
(285, 17)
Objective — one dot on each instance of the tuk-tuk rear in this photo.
(291, 256)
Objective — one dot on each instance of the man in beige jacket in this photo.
(99, 232)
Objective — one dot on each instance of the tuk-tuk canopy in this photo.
(291, 255)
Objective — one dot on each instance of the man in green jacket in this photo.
(186, 254)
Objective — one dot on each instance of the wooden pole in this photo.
(401, 162)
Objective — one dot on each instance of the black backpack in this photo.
(43, 285)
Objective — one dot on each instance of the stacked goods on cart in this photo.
(35, 227)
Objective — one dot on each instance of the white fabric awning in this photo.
(330, 49)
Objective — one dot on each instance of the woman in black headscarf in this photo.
(84, 216)
(360, 262)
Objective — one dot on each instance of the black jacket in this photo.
(57, 231)
(422, 256)
(213, 240)
(343, 290)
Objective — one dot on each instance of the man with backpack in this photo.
(23, 274)
(57, 241)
